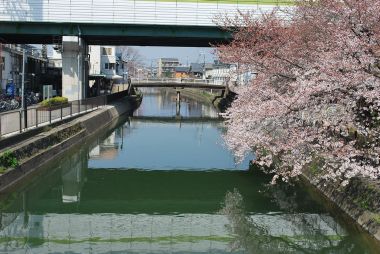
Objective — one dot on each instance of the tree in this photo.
(131, 57)
(315, 101)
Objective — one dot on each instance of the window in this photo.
(107, 51)
(109, 66)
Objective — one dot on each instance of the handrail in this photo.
(173, 80)
(13, 122)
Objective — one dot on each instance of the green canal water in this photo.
(158, 182)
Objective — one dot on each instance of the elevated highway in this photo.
(76, 24)
(124, 22)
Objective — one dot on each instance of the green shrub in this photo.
(54, 101)
(8, 160)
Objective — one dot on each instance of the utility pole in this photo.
(23, 79)
(23, 104)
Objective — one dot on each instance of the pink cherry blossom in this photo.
(315, 100)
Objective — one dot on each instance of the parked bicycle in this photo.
(9, 104)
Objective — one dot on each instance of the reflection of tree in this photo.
(308, 233)
(285, 196)
(288, 199)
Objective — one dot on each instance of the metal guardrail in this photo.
(174, 80)
(14, 122)
(163, 12)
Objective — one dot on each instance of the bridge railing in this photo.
(173, 80)
(164, 12)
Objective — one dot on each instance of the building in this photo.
(220, 72)
(166, 67)
(197, 70)
(54, 71)
(11, 67)
(182, 72)
(106, 68)
(103, 61)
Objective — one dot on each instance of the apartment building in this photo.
(166, 67)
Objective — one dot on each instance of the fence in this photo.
(18, 121)
(172, 80)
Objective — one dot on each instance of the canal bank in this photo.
(28, 155)
(220, 100)
(360, 200)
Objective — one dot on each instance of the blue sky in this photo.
(184, 54)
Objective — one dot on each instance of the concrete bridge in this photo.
(77, 24)
(177, 83)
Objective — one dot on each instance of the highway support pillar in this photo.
(74, 68)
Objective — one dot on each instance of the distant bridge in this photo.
(178, 83)
(176, 119)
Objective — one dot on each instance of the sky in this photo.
(184, 54)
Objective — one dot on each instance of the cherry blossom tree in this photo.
(315, 102)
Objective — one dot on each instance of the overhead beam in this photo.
(114, 34)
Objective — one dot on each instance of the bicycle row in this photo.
(11, 103)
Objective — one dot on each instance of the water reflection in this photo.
(85, 210)
(117, 212)
(283, 233)
(162, 102)
(164, 146)
(156, 186)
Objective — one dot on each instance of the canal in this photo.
(159, 182)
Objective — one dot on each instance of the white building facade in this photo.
(221, 73)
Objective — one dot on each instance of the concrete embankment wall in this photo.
(360, 200)
(47, 145)
(219, 100)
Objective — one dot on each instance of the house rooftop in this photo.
(196, 67)
(182, 69)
